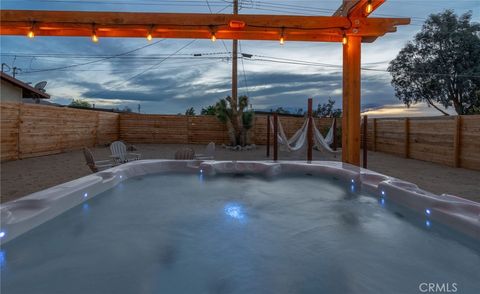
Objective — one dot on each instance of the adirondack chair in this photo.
(209, 152)
(96, 165)
(120, 154)
(185, 154)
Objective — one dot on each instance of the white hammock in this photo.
(298, 140)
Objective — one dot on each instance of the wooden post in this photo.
(351, 101)
(275, 136)
(235, 62)
(457, 141)
(335, 134)
(374, 136)
(407, 137)
(310, 131)
(365, 138)
(268, 136)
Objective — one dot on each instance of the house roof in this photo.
(27, 90)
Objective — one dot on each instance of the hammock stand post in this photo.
(275, 136)
(334, 134)
(309, 131)
(364, 145)
(268, 136)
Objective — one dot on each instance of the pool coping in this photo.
(23, 214)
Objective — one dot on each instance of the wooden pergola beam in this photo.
(357, 8)
(192, 25)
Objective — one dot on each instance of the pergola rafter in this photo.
(350, 24)
(192, 25)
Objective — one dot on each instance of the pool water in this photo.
(182, 233)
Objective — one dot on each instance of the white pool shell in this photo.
(22, 215)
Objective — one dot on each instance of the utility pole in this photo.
(234, 61)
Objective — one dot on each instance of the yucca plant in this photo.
(237, 120)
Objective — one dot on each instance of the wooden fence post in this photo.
(275, 136)
(95, 130)
(457, 141)
(268, 136)
(310, 131)
(365, 138)
(335, 134)
(407, 137)
(374, 135)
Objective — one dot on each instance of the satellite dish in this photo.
(41, 86)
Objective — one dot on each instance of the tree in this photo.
(237, 120)
(210, 110)
(80, 103)
(190, 111)
(327, 109)
(441, 65)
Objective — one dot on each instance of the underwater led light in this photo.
(428, 223)
(427, 211)
(234, 211)
(121, 176)
(201, 171)
(383, 193)
(382, 201)
(353, 181)
(2, 234)
(85, 195)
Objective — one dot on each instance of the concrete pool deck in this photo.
(22, 177)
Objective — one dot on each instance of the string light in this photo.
(344, 39)
(282, 37)
(369, 7)
(94, 34)
(31, 33)
(149, 36)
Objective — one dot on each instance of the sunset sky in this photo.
(171, 85)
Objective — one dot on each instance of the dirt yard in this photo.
(22, 177)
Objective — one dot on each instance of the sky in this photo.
(163, 76)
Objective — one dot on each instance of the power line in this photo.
(99, 60)
(243, 69)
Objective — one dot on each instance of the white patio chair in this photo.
(96, 165)
(209, 152)
(120, 154)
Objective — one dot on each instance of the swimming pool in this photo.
(238, 227)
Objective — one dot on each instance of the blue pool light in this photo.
(2, 258)
(353, 181)
(428, 223)
(2, 234)
(201, 171)
(85, 195)
(234, 211)
(121, 176)
(427, 211)
(383, 193)
(382, 201)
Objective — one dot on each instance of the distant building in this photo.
(13, 90)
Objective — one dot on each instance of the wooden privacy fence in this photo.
(29, 130)
(449, 140)
(180, 129)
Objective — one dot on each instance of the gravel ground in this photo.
(22, 177)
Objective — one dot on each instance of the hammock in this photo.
(298, 140)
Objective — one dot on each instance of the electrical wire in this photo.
(99, 60)
(243, 69)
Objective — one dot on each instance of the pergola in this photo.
(349, 25)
